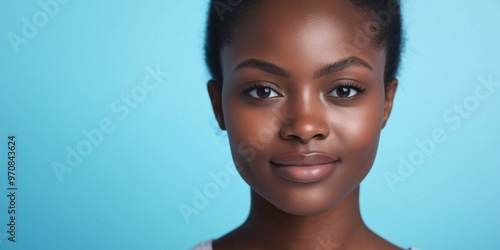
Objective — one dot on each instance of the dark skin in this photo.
(272, 68)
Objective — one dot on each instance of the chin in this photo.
(308, 200)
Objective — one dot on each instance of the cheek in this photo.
(250, 130)
(360, 136)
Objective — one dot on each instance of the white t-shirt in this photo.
(207, 245)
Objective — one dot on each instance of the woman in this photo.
(303, 89)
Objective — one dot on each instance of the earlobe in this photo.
(390, 92)
(215, 92)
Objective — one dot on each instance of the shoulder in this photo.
(205, 245)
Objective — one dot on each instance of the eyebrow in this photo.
(325, 70)
(342, 64)
(264, 66)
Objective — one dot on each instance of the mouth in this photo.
(304, 168)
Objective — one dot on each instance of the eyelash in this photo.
(349, 85)
(256, 85)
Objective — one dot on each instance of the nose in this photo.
(308, 122)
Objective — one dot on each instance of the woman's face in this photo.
(302, 105)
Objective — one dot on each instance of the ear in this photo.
(390, 92)
(215, 92)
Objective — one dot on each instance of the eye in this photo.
(346, 91)
(261, 92)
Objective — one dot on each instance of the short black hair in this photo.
(383, 17)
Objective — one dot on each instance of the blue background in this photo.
(126, 193)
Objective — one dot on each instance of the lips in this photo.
(304, 168)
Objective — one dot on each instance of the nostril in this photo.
(305, 128)
(319, 136)
(293, 137)
(303, 139)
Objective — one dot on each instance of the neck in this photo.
(272, 228)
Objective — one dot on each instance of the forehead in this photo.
(301, 35)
